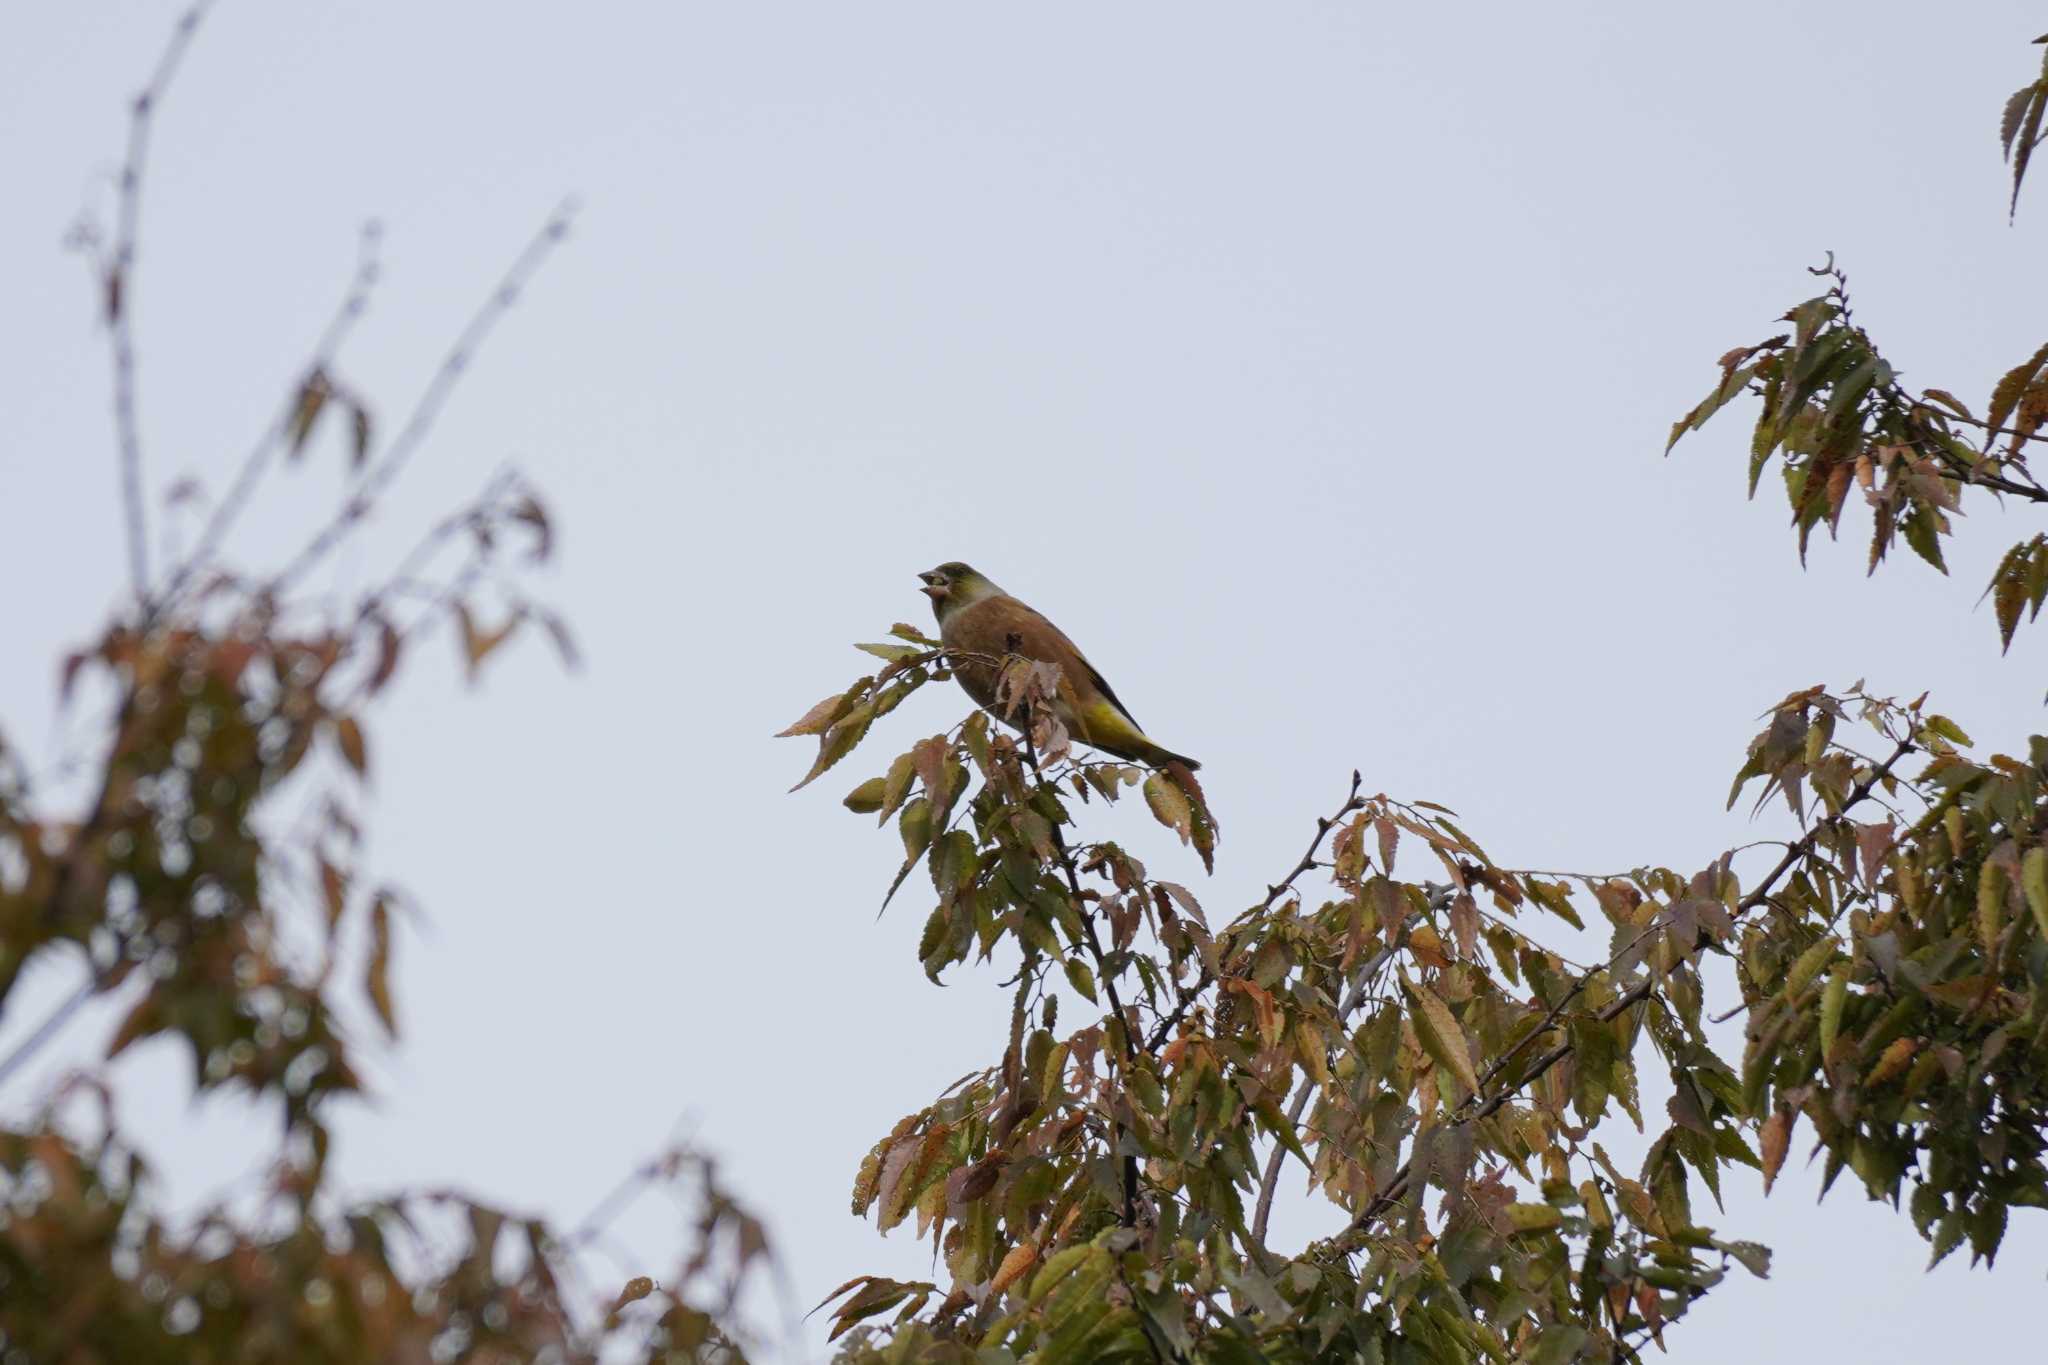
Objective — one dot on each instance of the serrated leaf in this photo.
(819, 718)
(2005, 396)
(1436, 1028)
(1170, 805)
(1081, 977)
(1015, 1265)
(894, 654)
(1777, 1140)
(838, 742)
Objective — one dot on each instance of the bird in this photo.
(977, 618)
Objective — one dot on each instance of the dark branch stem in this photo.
(1128, 1215)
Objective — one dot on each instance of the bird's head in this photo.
(954, 585)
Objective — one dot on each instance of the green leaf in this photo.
(1081, 977)
(1436, 1028)
(1832, 999)
(838, 742)
(2034, 882)
(1923, 534)
(867, 797)
(896, 785)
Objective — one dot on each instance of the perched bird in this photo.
(978, 618)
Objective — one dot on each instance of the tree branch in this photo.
(257, 461)
(1324, 824)
(118, 283)
(1128, 1215)
(1480, 1106)
(421, 420)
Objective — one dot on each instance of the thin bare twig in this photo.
(353, 304)
(420, 421)
(1480, 1105)
(118, 282)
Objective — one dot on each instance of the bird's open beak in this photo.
(932, 587)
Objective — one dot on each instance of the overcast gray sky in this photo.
(1308, 363)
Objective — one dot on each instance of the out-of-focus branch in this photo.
(353, 304)
(118, 283)
(387, 467)
(1482, 1105)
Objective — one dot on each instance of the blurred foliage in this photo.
(194, 866)
(1389, 1018)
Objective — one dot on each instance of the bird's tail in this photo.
(1167, 758)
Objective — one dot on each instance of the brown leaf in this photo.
(1170, 805)
(637, 1288)
(2006, 395)
(529, 512)
(1777, 1139)
(1465, 925)
(1270, 1024)
(333, 891)
(820, 717)
(1022, 1257)
(1390, 840)
(306, 408)
(389, 642)
(1873, 842)
(377, 974)
(477, 644)
(348, 736)
(1893, 1060)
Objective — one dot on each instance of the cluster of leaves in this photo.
(2019, 129)
(1105, 1191)
(93, 1270)
(1898, 988)
(1835, 415)
(196, 865)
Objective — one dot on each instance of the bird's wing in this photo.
(990, 623)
